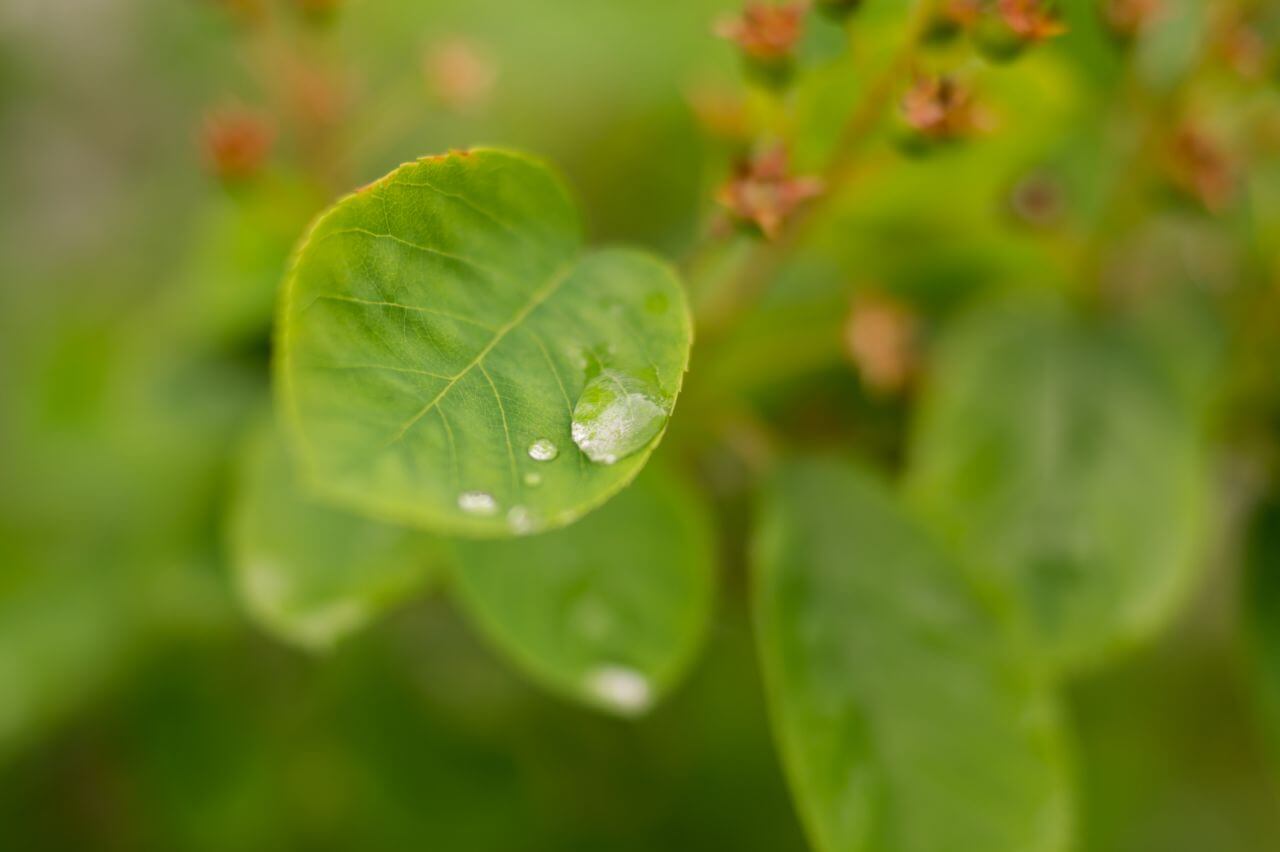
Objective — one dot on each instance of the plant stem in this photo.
(761, 265)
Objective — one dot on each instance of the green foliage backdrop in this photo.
(681, 424)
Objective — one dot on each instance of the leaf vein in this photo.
(539, 296)
(428, 249)
(506, 428)
(334, 297)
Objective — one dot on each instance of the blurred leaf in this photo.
(227, 286)
(1262, 614)
(1067, 471)
(310, 573)
(62, 631)
(905, 720)
(610, 610)
(441, 322)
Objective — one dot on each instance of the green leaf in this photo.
(1063, 465)
(609, 611)
(905, 719)
(1262, 615)
(310, 573)
(440, 322)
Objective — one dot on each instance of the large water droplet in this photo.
(543, 450)
(624, 689)
(477, 503)
(616, 415)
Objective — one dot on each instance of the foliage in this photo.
(920, 355)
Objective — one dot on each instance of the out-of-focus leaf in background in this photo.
(311, 573)
(906, 718)
(1066, 472)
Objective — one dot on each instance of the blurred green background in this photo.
(141, 709)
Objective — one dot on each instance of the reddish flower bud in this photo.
(1245, 51)
(1030, 20)
(1200, 167)
(1128, 18)
(763, 194)
(941, 109)
(880, 338)
(1013, 25)
(767, 35)
(236, 142)
(459, 74)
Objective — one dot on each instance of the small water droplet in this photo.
(477, 503)
(616, 415)
(543, 450)
(521, 520)
(624, 689)
(533, 480)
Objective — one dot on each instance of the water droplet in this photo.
(533, 480)
(624, 689)
(616, 415)
(521, 520)
(543, 450)
(477, 503)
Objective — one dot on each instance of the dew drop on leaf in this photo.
(622, 688)
(616, 415)
(477, 503)
(543, 450)
(521, 520)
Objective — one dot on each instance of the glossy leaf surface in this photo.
(445, 319)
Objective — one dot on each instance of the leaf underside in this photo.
(442, 320)
(609, 611)
(905, 721)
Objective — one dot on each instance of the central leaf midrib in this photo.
(539, 296)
